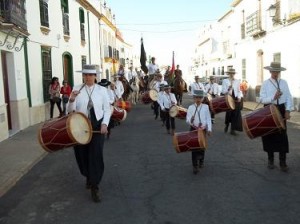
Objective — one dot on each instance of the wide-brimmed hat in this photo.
(90, 69)
(231, 71)
(162, 85)
(196, 76)
(116, 76)
(211, 78)
(275, 67)
(167, 86)
(199, 93)
(104, 82)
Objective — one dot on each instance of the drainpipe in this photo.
(89, 37)
(27, 72)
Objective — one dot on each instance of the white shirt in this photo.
(167, 101)
(152, 68)
(119, 88)
(212, 88)
(197, 86)
(111, 95)
(269, 89)
(235, 83)
(100, 100)
(202, 116)
(131, 74)
(159, 98)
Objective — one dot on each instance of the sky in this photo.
(166, 25)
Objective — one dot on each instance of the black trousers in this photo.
(58, 103)
(170, 121)
(156, 108)
(89, 157)
(197, 156)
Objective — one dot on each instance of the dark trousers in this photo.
(58, 103)
(282, 157)
(156, 108)
(89, 157)
(170, 121)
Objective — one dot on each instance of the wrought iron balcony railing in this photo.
(14, 12)
(66, 24)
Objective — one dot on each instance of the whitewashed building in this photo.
(251, 35)
(40, 40)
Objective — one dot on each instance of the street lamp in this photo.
(272, 13)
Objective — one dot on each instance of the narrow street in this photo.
(147, 182)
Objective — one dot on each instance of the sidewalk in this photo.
(21, 152)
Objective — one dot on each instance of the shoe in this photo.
(271, 165)
(283, 167)
(226, 128)
(232, 132)
(195, 170)
(95, 195)
(88, 184)
(201, 164)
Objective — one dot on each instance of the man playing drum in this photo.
(197, 85)
(231, 86)
(198, 116)
(168, 99)
(212, 88)
(276, 91)
(92, 100)
(158, 82)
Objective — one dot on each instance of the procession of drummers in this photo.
(199, 115)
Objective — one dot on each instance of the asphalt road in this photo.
(147, 182)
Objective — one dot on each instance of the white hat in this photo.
(275, 67)
(90, 69)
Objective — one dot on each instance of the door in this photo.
(6, 88)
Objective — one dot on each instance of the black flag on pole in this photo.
(143, 58)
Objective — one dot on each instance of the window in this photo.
(65, 15)
(44, 13)
(81, 20)
(83, 60)
(65, 6)
(46, 71)
(277, 57)
(244, 69)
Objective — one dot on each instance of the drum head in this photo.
(173, 111)
(230, 102)
(80, 128)
(277, 117)
(153, 94)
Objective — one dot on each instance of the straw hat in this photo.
(199, 93)
(90, 69)
(275, 67)
(231, 71)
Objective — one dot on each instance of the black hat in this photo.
(104, 82)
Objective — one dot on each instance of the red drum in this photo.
(118, 114)
(146, 98)
(150, 96)
(262, 122)
(190, 141)
(222, 104)
(64, 132)
(179, 112)
(126, 105)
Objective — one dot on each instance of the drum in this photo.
(126, 105)
(118, 114)
(190, 141)
(146, 98)
(153, 94)
(64, 132)
(222, 104)
(262, 122)
(176, 111)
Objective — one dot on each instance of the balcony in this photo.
(66, 24)
(82, 31)
(13, 12)
(253, 25)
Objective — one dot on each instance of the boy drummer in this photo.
(198, 116)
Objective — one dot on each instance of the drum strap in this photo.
(200, 123)
(277, 87)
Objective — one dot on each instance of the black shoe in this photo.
(201, 164)
(283, 167)
(271, 164)
(195, 170)
(226, 128)
(88, 184)
(232, 132)
(95, 195)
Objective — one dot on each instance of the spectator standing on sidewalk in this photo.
(244, 88)
(54, 91)
(276, 91)
(65, 91)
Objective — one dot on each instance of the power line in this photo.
(167, 23)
